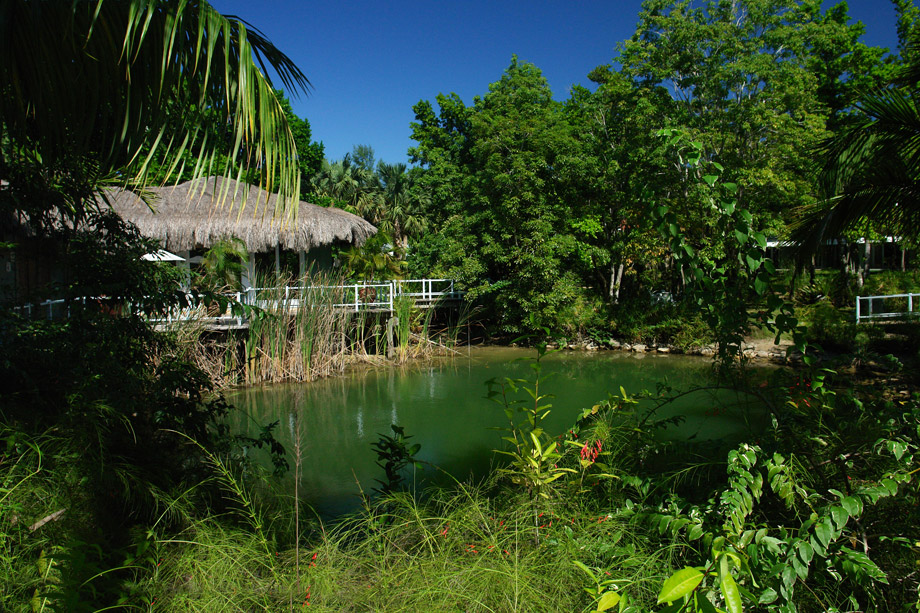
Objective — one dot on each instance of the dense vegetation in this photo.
(121, 486)
(541, 207)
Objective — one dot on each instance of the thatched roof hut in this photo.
(196, 214)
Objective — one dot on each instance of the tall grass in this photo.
(459, 551)
(298, 332)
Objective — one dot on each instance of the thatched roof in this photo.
(199, 213)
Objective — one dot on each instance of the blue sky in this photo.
(370, 62)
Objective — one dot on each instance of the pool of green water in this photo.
(443, 406)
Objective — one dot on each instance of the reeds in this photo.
(302, 329)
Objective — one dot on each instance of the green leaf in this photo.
(806, 553)
(853, 506)
(695, 532)
(840, 517)
(824, 531)
(767, 596)
(587, 570)
(680, 584)
(730, 593)
(730, 188)
(704, 606)
(607, 601)
(710, 179)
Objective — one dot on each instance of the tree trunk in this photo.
(616, 280)
(864, 268)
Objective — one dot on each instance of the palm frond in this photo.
(116, 82)
(869, 171)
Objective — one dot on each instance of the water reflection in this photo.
(443, 406)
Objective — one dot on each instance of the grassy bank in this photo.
(818, 513)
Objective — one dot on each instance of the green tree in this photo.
(756, 81)
(620, 159)
(497, 174)
(400, 203)
(348, 183)
(91, 91)
(310, 154)
(869, 173)
(363, 157)
(223, 264)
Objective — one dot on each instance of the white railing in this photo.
(363, 296)
(890, 306)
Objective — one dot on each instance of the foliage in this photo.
(310, 154)
(498, 175)
(154, 70)
(821, 538)
(868, 172)
(533, 453)
(375, 260)
(223, 264)
(757, 81)
(722, 286)
(346, 182)
(393, 455)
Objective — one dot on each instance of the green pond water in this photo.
(443, 406)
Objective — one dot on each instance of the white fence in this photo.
(364, 296)
(892, 306)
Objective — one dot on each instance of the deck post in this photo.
(857, 309)
(910, 304)
(356, 297)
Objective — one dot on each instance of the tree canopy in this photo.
(541, 207)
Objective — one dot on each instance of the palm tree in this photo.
(346, 181)
(400, 214)
(96, 89)
(223, 265)
(870, 172)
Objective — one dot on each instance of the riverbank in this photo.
(753, 348)
(609, 511)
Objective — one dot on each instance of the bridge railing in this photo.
(361, 296)
(891, 306)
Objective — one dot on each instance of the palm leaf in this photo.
(870, 171)
(112, 82)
